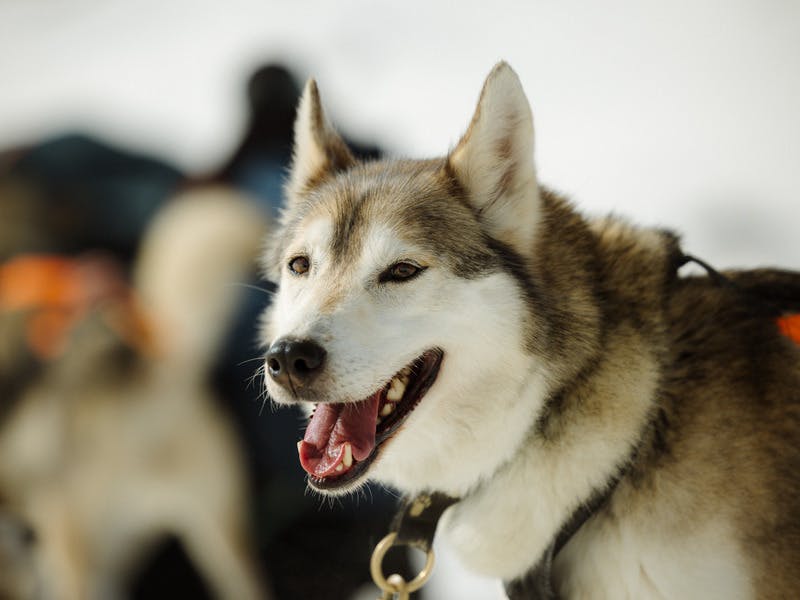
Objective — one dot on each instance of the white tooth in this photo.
(347, 461)
(387, 410)
(396, 389)
(299, 444)
(339, 468)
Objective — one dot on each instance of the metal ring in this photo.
(376, 567)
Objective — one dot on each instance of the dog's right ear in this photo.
(318, 150)
(494, 161)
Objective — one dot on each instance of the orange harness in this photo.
(57, 292)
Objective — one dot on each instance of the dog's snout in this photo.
(294, 362)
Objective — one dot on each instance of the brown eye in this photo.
(299, 265)
(402, 271)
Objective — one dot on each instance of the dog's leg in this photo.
(61, 551)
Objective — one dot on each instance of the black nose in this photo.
(295, 360)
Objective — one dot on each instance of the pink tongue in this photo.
(331, 426)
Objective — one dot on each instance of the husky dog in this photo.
(453, 326)
(115, 441)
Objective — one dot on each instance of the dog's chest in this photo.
(620, 560)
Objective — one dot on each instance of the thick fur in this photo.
(573, 355)
(104, 450)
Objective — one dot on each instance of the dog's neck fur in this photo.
(594, 276)
(600, 377)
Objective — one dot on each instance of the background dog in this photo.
(110, 437)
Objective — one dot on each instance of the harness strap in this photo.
(537, 584)
(715, 275)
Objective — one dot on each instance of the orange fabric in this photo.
(790, 326)
(38, 280)
(57, 292)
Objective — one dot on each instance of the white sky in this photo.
(684, 113)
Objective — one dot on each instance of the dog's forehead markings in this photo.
(411, 201)
(348, 210)
(414, 201)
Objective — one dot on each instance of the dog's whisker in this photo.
(252, 379)
(250, 286)
(249, 360)
(265, 398)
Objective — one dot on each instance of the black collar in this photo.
(416, 520)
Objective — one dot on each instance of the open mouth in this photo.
(342, 439)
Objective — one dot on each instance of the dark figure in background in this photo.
(259, 165)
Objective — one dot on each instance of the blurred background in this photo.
(126, 127)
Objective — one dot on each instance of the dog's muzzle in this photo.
(294, 363)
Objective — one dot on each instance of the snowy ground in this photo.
(683, 114)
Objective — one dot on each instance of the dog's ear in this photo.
(493, 161)
(318, 150)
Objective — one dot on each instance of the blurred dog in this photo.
(109, 435)
(452, 326)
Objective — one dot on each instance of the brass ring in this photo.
(376, 567)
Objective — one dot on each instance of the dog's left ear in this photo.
(318, 150)
(494, 161)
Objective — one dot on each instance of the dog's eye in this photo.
(402, 271)
(299, 265)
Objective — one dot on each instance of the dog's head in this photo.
(401, 317)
